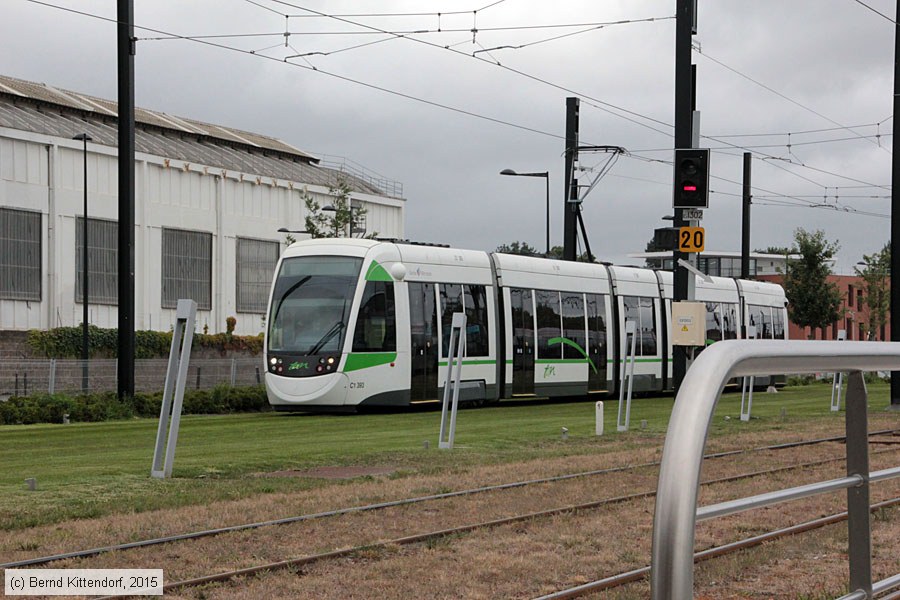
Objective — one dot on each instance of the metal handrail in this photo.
(672, 574)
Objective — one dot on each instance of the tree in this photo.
(780, 250)
(334, 224)
(877, 292)
(813, 300)
(517, 247)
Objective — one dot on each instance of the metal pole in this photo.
(126, 51)
(547, 181)
(684, 19)
(85, 353)
(858, 520)
(571, 184)
(895, 215)
(745, 220)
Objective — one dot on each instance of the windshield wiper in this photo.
(338, 325)
(285, 295)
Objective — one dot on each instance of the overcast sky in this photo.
(451, 122)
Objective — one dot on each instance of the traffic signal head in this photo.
(691, 178)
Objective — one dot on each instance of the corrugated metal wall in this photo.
(44, 175)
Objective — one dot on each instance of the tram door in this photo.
(597, 346)
(424, 332)
(522, 308)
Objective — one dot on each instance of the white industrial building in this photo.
(208, 203)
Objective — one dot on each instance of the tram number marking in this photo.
(357, 385)
(691, 239)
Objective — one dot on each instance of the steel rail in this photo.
(416, 538)
(407, 501)
(710, 553)
(676, 503)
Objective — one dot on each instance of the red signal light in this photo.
(690, 188)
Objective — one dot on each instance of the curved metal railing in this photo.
(672, 567)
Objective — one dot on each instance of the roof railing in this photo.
(388, 187)
(672, 565)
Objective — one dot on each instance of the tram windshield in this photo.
(311, 304)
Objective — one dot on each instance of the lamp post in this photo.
(333, 208)
(83, 137)
(291, 239)
(546, 176)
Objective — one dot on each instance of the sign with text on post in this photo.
(688, 323)
(691, 239)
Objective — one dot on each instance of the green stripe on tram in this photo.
(571, 344)
(377, 273)
(639, 360)
(365, 360)
(443, 363)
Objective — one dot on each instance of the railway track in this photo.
(44, 560)
(606, 583)
(614, 581)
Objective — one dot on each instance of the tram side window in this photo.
(573, 324)
(648, 327)
(548, 322)
(376, 329)
(713, 322)
(596, 313)
(640, 310)
(729, 320)
(778, 323)
(451, 302)
(761, 318)
(477, 335)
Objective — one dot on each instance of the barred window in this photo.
(256, 260)
(20, 254)
(186, 267)
(103, 266)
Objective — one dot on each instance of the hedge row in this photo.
(65, 342)
(51, 408)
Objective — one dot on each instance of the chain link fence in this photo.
(26, 377)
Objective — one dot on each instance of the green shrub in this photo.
(107, 407)
(65, 342)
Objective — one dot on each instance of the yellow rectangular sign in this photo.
(691, 239)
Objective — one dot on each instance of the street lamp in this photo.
(333, 208)
(83, 137)
(546, 176)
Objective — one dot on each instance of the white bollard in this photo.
(599, 417)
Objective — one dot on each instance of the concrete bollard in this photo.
(598, 427)
(565, 433)
(31, 482)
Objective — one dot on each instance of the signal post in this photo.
(688, 188)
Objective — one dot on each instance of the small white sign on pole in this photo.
(179, 358)
(628, 351)
(454, 374)
(747, 383)
(837, 382)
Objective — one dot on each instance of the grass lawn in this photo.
(91, 469)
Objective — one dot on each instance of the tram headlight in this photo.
(273, 361)
(330, 360)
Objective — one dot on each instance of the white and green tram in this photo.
(362, 323)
